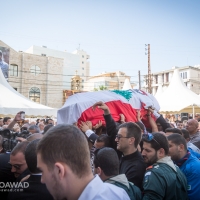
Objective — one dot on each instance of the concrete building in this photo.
(189, 74)
(42, 76)
(110, 80)
(75, 63)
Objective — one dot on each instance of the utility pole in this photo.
(149, 78)
(139, 80)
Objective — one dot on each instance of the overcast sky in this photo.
(112, 32)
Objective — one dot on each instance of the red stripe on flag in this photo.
(116, 108)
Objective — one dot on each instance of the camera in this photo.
(10, 140)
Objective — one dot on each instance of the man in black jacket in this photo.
(126, 141)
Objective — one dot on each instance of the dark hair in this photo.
(1, 140)
(65, 143)
(47, 127)
(31, 156)
(173, 130)
(105, 139)
(186, 134)
(133, 130)
(47, 120)
(158, 141)
(107, 159)
(34, 127)
(141, 125)
(5, 119)
(21, 147)
(177, 139)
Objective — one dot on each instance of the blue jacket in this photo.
(195, 154)
(191, 169)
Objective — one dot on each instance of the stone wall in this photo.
(49, 80)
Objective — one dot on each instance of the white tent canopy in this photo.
(177, 96)
(127, 84)
(11, 102)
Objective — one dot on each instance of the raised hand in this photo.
(89, 124)
(101, 106)
(98, 125)
(83, 126)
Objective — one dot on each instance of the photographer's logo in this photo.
(13, 186)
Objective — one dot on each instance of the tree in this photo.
(101, 87)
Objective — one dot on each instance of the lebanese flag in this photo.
(78, 107)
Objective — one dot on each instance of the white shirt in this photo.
(98, 190)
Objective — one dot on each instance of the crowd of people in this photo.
(85, 161)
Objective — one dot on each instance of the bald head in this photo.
(192, 126)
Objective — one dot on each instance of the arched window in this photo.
(13, 70)
(35, 70)
(34, 94)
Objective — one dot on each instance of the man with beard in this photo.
(163, 179)
(188, 163)
(18, 162)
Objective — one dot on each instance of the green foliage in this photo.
(101, 87)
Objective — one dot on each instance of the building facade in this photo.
(43, 78)
(189, 74)
(75, 63)
(109, 80)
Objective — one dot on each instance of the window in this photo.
(185, 83)
(82, 62)
(163, 78)
(82, 74)
(82, 56)
(13, 70)
(167, 77)
(34, 94)
(82, 68)
(185, 74)
(82, 80)
(35, 70)
(156, 79)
